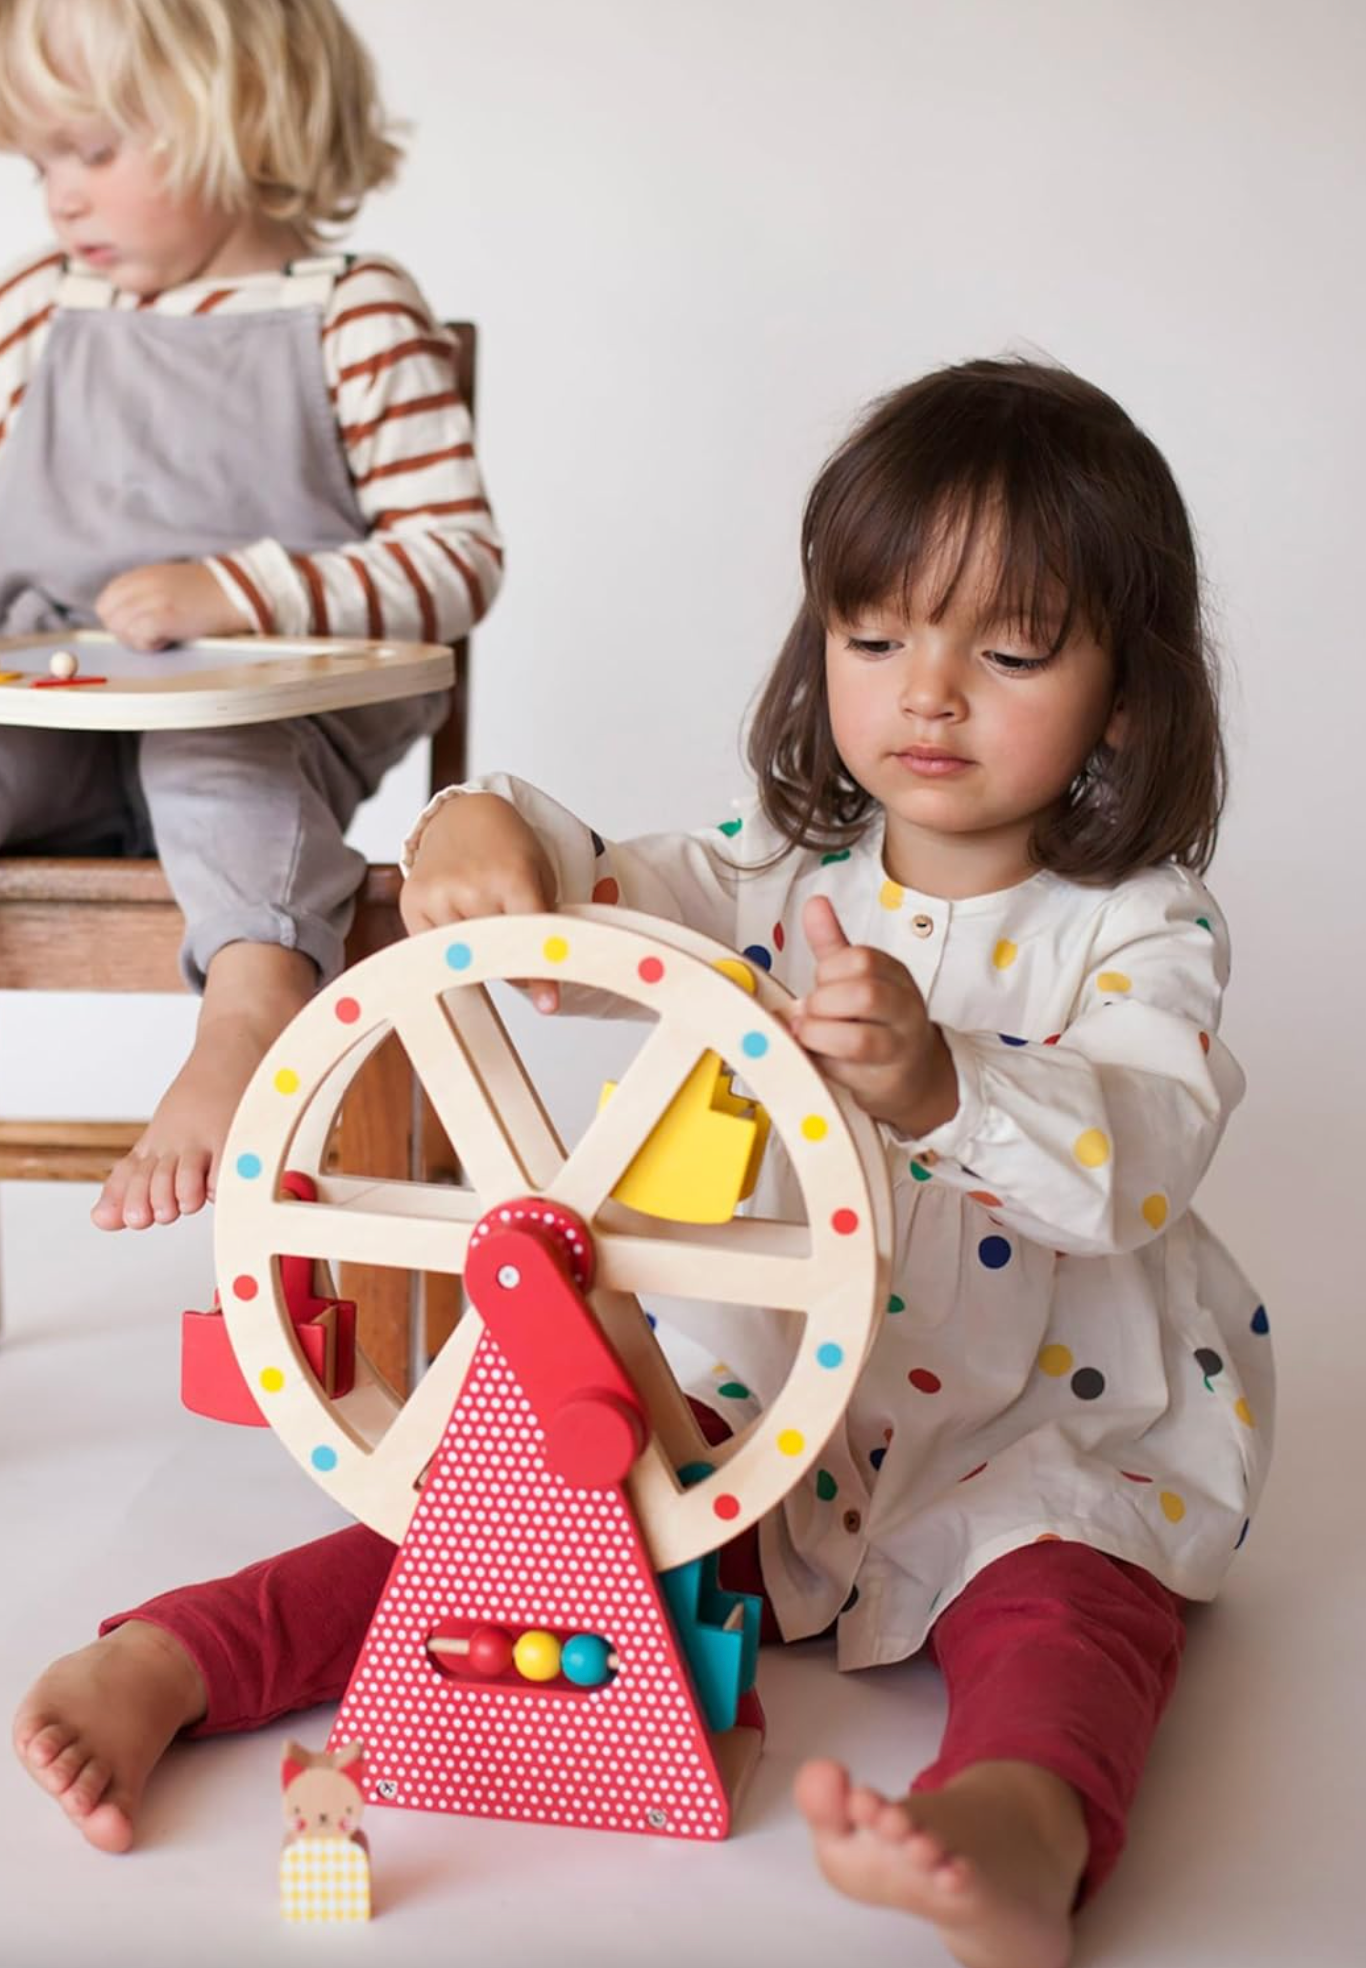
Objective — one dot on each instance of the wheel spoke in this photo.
(621, 1127)
(465, 1102)
(408, 1226)
(749, 1261)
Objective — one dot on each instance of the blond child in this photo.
(210, 424)
(989, 771)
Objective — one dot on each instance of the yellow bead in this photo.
(537, 1656)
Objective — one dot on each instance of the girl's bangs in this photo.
(85, 78)
(906, 532)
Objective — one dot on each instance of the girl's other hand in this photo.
(477, 856)
(170, 601)
(865, 1021)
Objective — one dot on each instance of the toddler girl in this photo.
(210, 426)
(988, 766)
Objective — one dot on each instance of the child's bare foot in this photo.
(91, 1730)
(993, 1859)
(251, 992)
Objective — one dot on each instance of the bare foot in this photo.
(251, 992)
(92, 1729)
(993, 1859)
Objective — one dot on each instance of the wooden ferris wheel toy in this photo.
(552, 1643)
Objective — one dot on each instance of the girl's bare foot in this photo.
(251, 992)
(92, 1729)
(993, 1859)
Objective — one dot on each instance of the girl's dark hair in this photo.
(1086, 519)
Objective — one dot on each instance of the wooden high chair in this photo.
(112, 925)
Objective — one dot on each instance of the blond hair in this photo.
(265, 105)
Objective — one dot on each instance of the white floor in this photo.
(1247, 1845)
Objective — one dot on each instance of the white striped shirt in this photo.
(431, 560)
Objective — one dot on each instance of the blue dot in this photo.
(876, 1458)
(249, 1167)
(1260, 1322)
(324, 1459)
(994, 1252)
(459, 956)
(651, 1321)
(829, 1355)
(1006, 1039)
(757, 954)
(754, 1045)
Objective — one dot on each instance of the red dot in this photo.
(347, 1010)
(727, 1506)
(844, 1222)
(606, 890)
(1132, 1477)
(1204, 1042)
(985, 1197)
(1053, 1040)
(244, 1287)
(922, 1378)
(650, 970)
(972, 1472)
(778, 937)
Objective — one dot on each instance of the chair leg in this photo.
(374, 1136)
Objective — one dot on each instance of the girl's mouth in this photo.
(927, 763)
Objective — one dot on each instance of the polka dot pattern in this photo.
(1155, 1210)
(1114, 981)
(607, 891)
(498, 1538)
(1005, 953)
(1092, 1149)
(891, 895)
(994, 1252)
(923, 1381)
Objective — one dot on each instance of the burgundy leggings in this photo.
(1054, 1655)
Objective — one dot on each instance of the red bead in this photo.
(490, 1650)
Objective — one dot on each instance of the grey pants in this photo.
(249, 821)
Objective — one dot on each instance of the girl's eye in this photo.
(102, 154)
(1017, 665)
(872, 645)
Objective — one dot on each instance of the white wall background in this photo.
(697, 237)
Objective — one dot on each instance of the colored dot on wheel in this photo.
(814, 1128)
(286, 1080)
(271, 1380)
(828, 1354)
(1173, 1506)
(844, 1222)
(1155, 1210)
(727, 1507)
(1055, 1360)
(248, 1167)
(324, 1459)
(791, 1441)
(555, 949)
(1092, 1149)
(244, 1287)
(649, 970)
(754, 1045)
(347, 1010)
(459, 956)
(924, 1381)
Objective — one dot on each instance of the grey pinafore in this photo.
(147, 437)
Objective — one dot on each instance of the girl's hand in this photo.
(171, 601)
(865, 1021)
(478, 857)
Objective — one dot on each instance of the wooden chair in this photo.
(112, 925)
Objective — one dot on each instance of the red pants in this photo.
(1054, 1655)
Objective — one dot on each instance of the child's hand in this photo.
(478, 857)
(171, 601)
(865, 1021)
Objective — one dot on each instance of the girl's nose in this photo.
(66, 197)
(931, 687)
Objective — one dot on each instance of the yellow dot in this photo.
(892, 896)
(272, 1380)
(792, 1441)
(554, 949)
(1243, 1412)
(1155, 1210)
(1091, 1149)
(1173, 1509)
(537, 1656)
(738, 973)
(286, 1080)
(814, 1128)
(1112, 980)
(1055, 1360)
(1005, 953)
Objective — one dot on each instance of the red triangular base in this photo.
(498, 1538)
